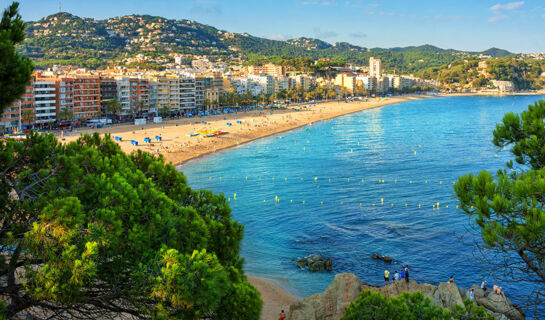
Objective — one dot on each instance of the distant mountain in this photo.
(496, 53)
(64, 38)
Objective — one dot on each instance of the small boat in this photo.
(192, 134)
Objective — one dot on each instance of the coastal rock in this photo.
(448, 295)
(315, 263)
(387, 259)
(497, 304)
(376, 257)
(330, 304)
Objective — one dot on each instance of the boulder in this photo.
(387, 259)
(497, 304)
(301, 263)
(328, 264)
(330, 304)
(376, 257)
(315, 263)
(448, 295)
(316, 266)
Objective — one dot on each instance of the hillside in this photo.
(66, 39)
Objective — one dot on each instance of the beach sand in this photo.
(275, 298)
(177, 147)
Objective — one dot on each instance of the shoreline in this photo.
(179, 149)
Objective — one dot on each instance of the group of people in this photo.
(397, 276)
(405, 275)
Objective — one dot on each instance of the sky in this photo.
(471, 25)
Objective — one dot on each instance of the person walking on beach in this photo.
(407, 273)
(386, 276)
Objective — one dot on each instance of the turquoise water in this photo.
(305, 212)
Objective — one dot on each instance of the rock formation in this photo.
(315, 263)
(331, 304)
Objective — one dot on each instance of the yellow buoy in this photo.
(235, 196)
(440, 182)
(395, 181)
(229, 199)
(329, 179)
(446, 206)
(411, 181)
(437, 205)
(434, 206)
(315, 178)
(259, 178)
(348, 179)
(304, 148)
(420, 206)
(291, 201)
(360, 204)
(321, 202)
(285, 179)
(246, 178)
(273, 179)
(381, 200)
(264, 200)
(303, 201)
(220, 178)
(301, 179)
(392, 204)
(362, 180)
(373, 204)
(456, 207)
(415, 153)
(405, 204)
(341, 203)
(426, 181)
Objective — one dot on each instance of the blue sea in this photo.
(377, 181)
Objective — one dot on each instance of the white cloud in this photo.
(319, 3)
(508, 6)
(499, 10)
(279, 37)
(322, 34)
(498, 17)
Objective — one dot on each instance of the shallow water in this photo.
(418, 148)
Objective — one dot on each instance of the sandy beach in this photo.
(177, 146)
(275, 298)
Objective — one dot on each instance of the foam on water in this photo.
(451, 137)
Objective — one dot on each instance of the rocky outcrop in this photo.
(496, 304)
(377, 256)
(330, 304)
(315, 263)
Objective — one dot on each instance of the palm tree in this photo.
(140, 106)
(113, 107)
(28, 117)
(66, 113)
(164, 111)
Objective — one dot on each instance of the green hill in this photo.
(66, 39)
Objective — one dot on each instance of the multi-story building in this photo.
(45, 101)
(187, 93)
(12, 119)
(212, 95)
(200, 86)
(266, 83)
(269, 69)
(281, 84)
(86, 96)
(366, 82)
(375, 67)
(346, 80)
(65, 97)
(401, 83)
(108, 92)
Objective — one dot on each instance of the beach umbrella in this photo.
(158, 138)
(148, 140)
(134, 143)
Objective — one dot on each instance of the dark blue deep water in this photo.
(313, 214)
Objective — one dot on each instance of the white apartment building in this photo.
(368, 83)
(375, 67)
(281, 83)
(45, 101)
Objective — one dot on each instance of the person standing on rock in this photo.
(407, 273)
(450, 280)
(396, 276)
(472, 295)
(282, 315)
(386, 276)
